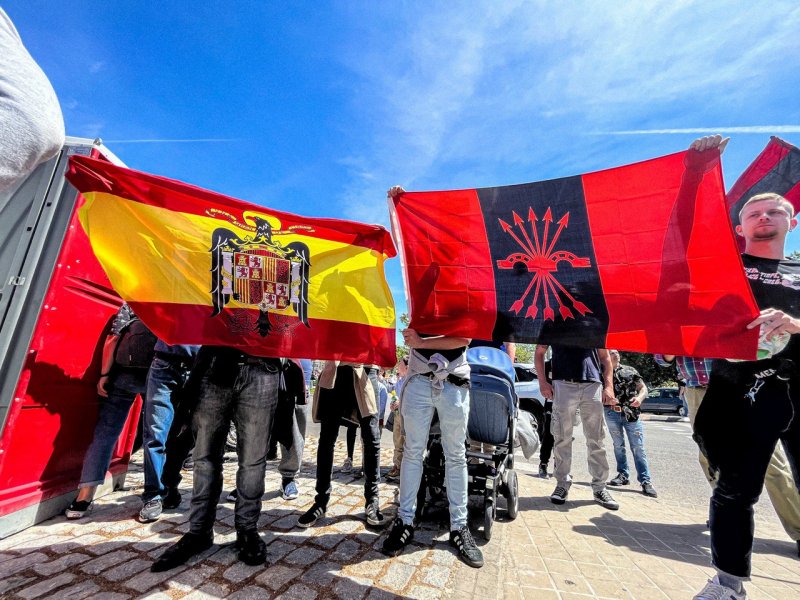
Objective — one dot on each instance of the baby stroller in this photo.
(493, 407)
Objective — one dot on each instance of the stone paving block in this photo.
(278, 576)
(347, 550)
(352, 588)
(98, 565)
(377, 593)
(45, 587)
(423, 592)
(10, 583)
(111, 544)
(239, 571)
(298, 592)
(146, 580)
(127, 569)
(84, 589)
(397, 576)
(277, 550)
(251, 592)
(436, 576)
(322, 573)
(192, 579)
(304, 556)
(110, 596)
(61, 564)
(15, 565)
(41, 542)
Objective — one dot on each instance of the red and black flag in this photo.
(639, 258)
(776, 170)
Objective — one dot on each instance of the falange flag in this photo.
(639, 258)
(201, 268)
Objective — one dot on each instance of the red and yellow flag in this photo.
(202, 268)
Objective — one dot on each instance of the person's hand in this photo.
(411, 338)
(775, 322)
(710, 142)
(395, 191)
(394, 405)
(546, 389)
(636, 402)
(101, 386)
(608, 396)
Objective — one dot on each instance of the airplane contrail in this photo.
(166, 141)
(752, 129)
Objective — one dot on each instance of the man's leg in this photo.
(179, 445)
(615, 422)
(256, 400)
(694, 398)
(292, 458)
(565, 404)
(546, 451)
(163, 380)
(635, 433)
(329, 431)
(594, 430)
(452, 406)
(210, 424)
(397, 438)
(782, 486)
(371, 436)
(417, 410)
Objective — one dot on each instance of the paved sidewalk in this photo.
(649, 550)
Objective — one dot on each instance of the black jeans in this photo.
(746, 435)
(352, 430)
(248, 392)
(546, 451)
(329, 432)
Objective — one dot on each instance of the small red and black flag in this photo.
(776, 170)
(639, 258)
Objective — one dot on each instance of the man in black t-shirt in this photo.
(751, 406)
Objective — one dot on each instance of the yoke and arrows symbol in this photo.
(542, 262)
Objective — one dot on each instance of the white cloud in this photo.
(706, 130)
(453, 87)
(173, 141)
(97, 66)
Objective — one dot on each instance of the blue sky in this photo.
(326, 105)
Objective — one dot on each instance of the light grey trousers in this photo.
(292, 458)
(568, 398)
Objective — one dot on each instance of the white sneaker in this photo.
(347, 465)
(714, 590)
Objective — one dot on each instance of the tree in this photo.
(654, 375)
(525, 353)
(402, 349)
(795, 255)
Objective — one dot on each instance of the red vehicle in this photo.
(56, 307)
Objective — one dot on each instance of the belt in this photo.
(577, 381)
(178, 361)
(453, 379)
(256, 360)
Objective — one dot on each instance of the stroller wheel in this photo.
(512, 495)
(488, 518)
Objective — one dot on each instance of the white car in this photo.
(526, 385)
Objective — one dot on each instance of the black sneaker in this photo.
(400, 536)
(374, 515)
(76, 510)
(191, 544)
(605, 500)
(620, 479)
(151, 511)
(232, 495)
(649, 490)
(252, 549)
(468, 550)
(543, 470)
(559, 495)
(172, 499)
(312, 514)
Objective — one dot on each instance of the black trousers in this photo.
(329, 432)
(546, 450)
(739, 437)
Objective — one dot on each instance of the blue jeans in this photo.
(618, 426)
(112, 413)
(248, 393)
(452, 405)
(164, 383)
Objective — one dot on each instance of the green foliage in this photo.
(654, 375)
(795, 255)
(525, 353)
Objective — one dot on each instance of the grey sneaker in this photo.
(714, 590)
(559, 495)
(347, 465)
(649, 490)
(605, 500)
(374, 515)
(151, 511)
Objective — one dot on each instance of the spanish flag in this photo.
(201, 268)
(639, 258)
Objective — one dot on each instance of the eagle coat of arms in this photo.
(258, 272)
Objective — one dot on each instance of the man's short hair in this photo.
(768, 196)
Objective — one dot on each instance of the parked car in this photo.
(665, 400)
(526, 385)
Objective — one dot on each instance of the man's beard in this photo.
(765, 235)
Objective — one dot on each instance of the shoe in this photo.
(649, 490)
(605, 500)
(191, 544)
(289, 490)
(543, 470)
(559, 495)
(399, 537)
(232, 495)
(151, 511)
(347, 465)
(714, 590)
(620, 479)
(172, 499)
(76, 510)
(468, 550)
(188, 464)
(393, 474)
(374, 515)
(252, 549)
(272, 454)
(396, 498)
(311, 516)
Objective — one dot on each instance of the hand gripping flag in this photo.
(639, 258)
(201, 268)
(777, 170)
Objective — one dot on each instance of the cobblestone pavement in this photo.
(649, 550)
